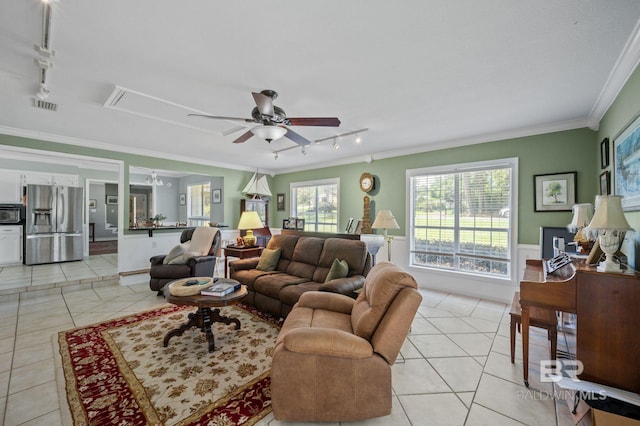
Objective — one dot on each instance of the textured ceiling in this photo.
(419, 75)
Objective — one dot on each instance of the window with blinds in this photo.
(461, 217)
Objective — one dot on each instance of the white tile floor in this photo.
(454, 367)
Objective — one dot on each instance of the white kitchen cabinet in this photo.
(10, 245)
(10, 189)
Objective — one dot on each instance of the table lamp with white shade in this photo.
(582, 214)
(608, 225)
(249, 221)
(385, 220)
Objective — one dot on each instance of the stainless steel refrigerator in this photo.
(53, 229)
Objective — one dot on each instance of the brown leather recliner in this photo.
(197, 266)
(332, 359)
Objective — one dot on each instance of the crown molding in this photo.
(85, 143)
(452, 143)
(623, 68)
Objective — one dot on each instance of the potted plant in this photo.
(158, 219)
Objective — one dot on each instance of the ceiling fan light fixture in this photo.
(268, 132)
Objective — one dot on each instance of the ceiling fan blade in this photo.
(299, 139)
(264, 103)
(314, 121)
(217, 117)
(245, 137)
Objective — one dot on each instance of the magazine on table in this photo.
(220, 289)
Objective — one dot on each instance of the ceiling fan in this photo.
(272, 120)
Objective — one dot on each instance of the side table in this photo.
(240, 253)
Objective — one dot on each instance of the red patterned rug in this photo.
(118, 372)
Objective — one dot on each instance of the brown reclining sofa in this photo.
(303, 265)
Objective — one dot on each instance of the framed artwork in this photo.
(182, 199)
(280, 202)
(605, 183)
(554, 192)
(216, 196)
(111, 199)
(285, 224)
(93, 203)
(604, 153)
(300, 224)
(626, 155)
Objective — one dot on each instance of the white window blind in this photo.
(461, 218)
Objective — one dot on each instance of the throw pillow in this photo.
(184, 258)
(178, 250)
(268, 260)
(339, 269)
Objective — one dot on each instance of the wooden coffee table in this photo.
(204, 316)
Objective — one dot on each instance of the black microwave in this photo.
(10, 213)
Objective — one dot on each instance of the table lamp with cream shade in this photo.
(608, 225)
(385, 220)
(582, 214)
(248, 221)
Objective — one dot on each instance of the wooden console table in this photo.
(606, 305)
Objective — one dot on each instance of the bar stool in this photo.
(538, 317)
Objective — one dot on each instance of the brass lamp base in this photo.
(249, 239)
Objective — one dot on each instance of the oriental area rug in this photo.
(117, 372)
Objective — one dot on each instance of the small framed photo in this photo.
(300, 224)
(285, 224)
(111, 199)
(555, 192)
(280, 202)
(93, 204)
(216, 196)
(605, 183)
(349, 226)
(182, 199)
(358, 229)
(604, 153)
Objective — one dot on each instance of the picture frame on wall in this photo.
(182, 199)
(280, 202)
(626, 155)
(93, 204)
(605, 183)
(555, 192)
(604, 153)
(111, 199)
(216, 196)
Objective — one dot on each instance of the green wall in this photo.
(234, 180)
(566, 151)
(621, 114)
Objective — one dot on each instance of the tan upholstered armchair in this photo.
(332, 359)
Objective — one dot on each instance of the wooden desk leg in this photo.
(512, 338)
(525, 345)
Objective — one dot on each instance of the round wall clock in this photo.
(366, 182)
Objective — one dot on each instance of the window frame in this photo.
(294, 186)
(197, 220)
(460, 168)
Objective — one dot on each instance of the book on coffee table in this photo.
(220, 289)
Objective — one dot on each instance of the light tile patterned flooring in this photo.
(454, 368)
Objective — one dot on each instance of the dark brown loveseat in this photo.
(303, 266)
